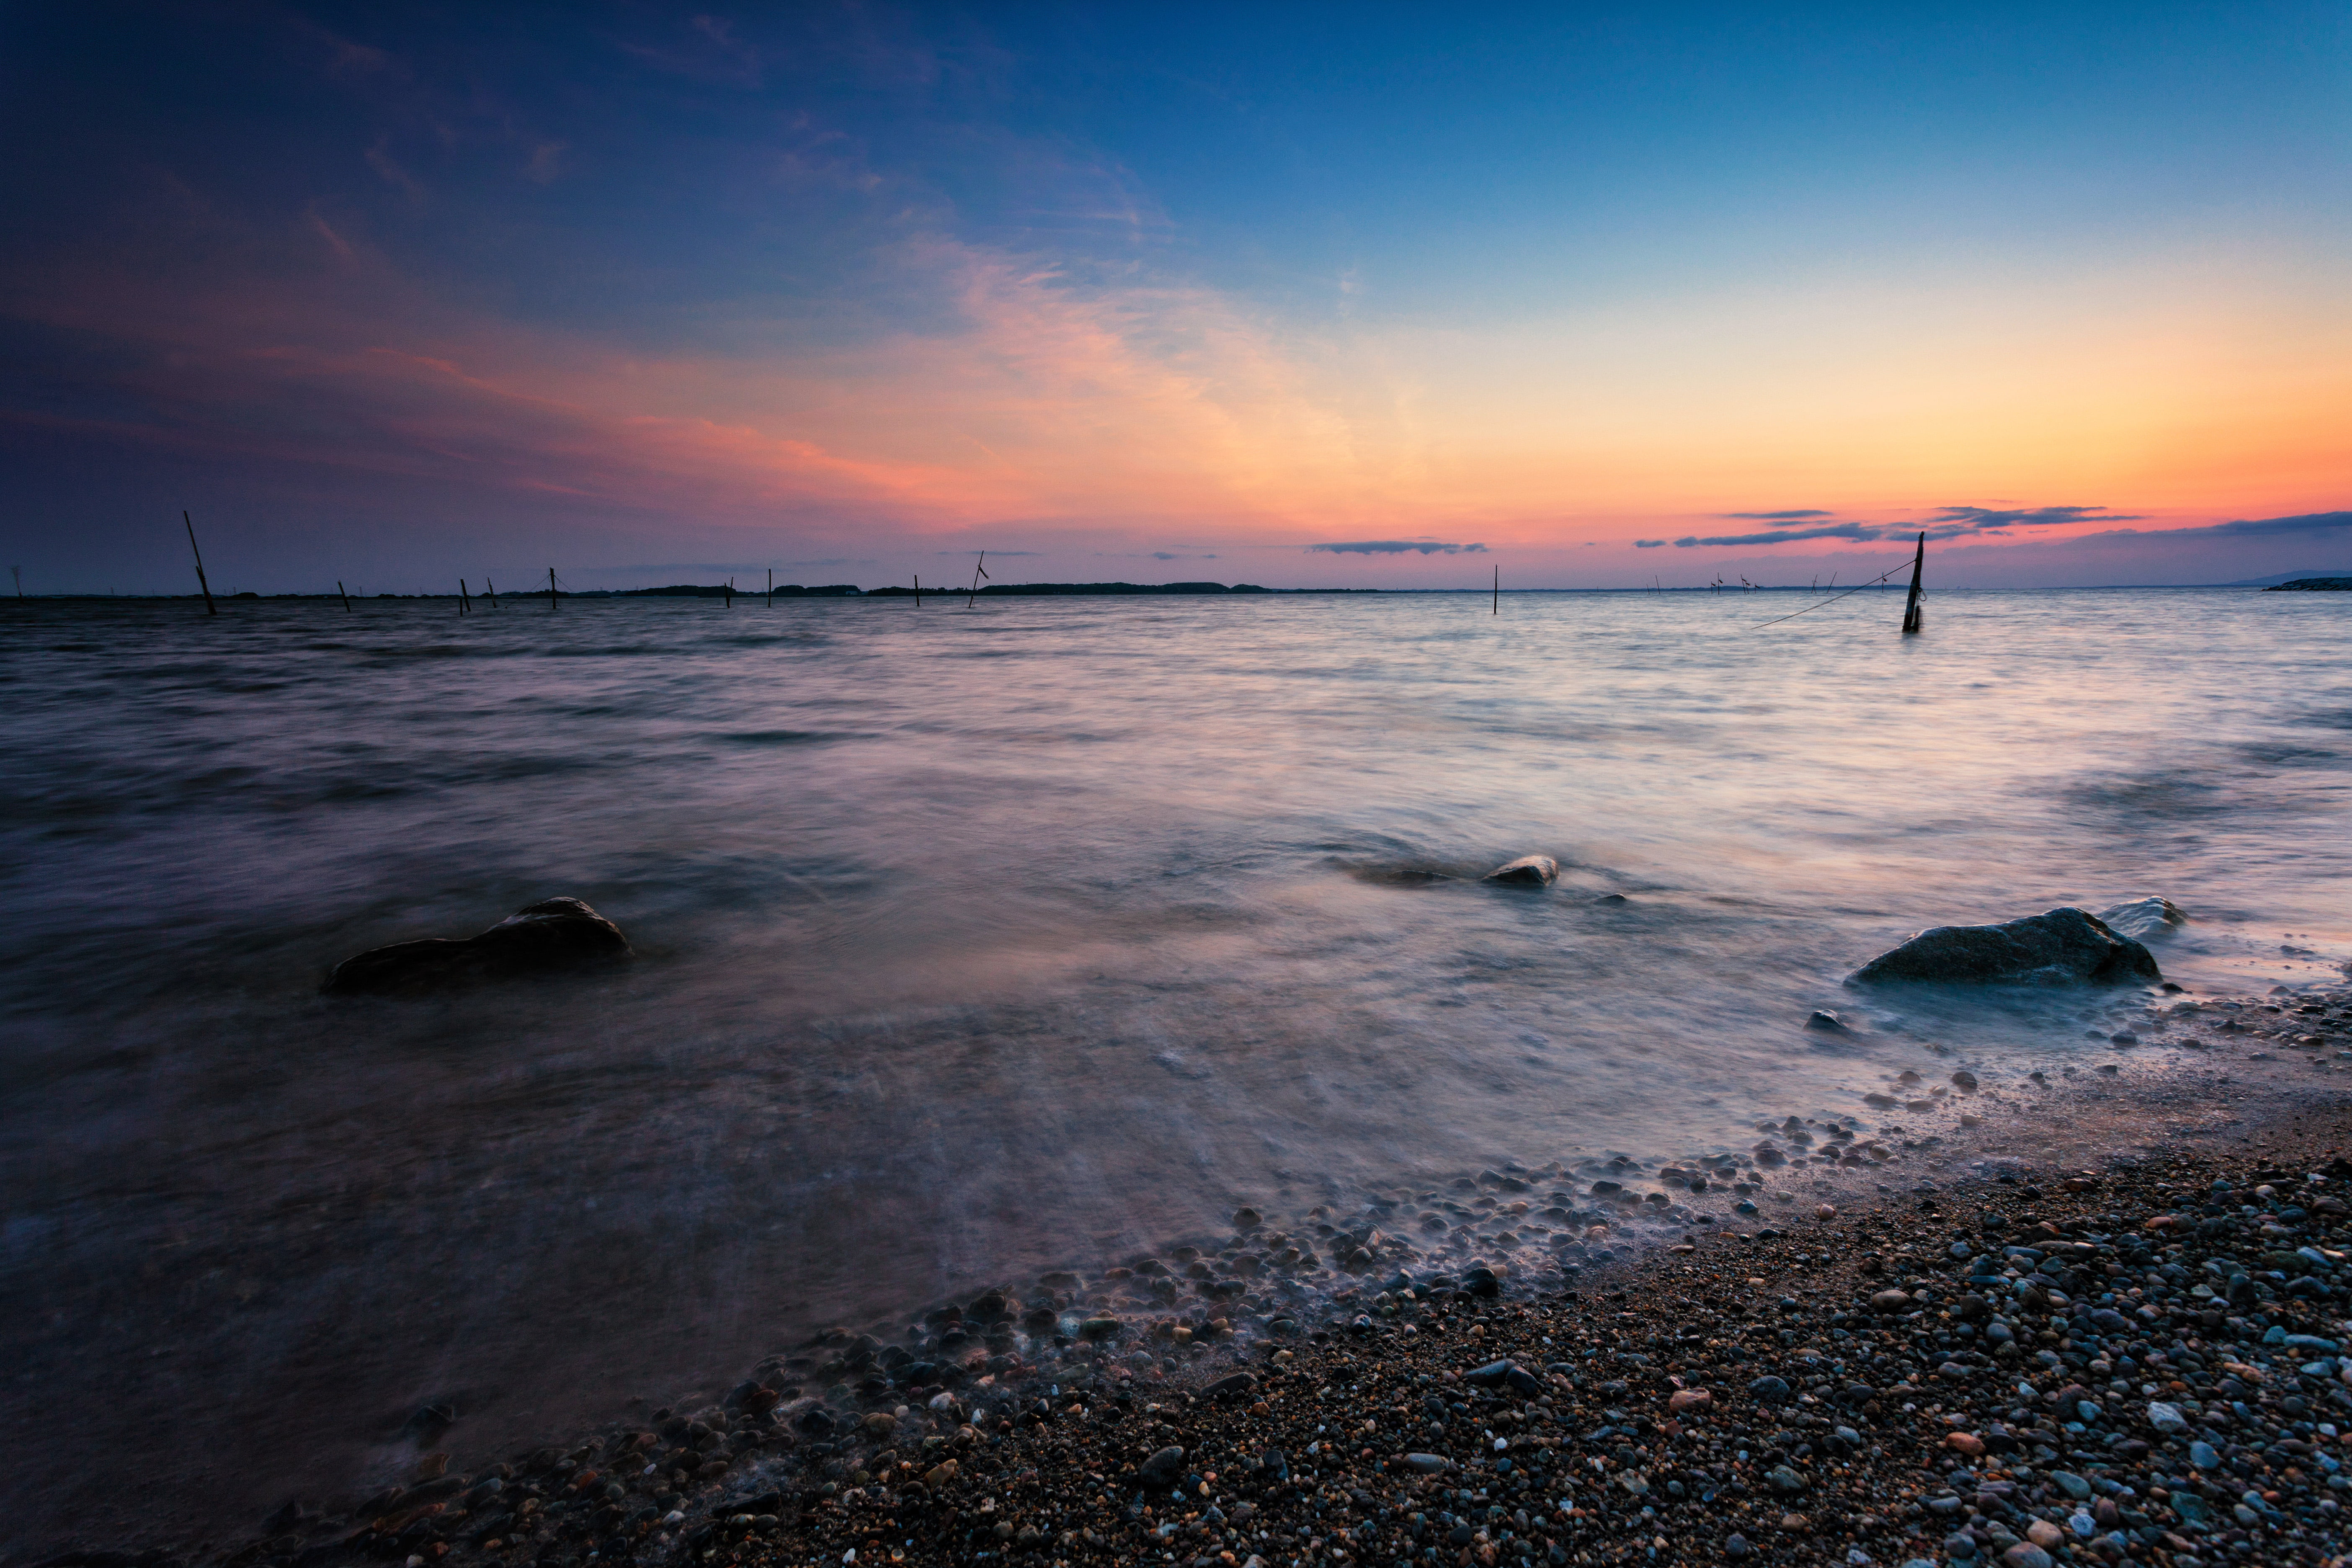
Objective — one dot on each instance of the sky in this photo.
(1378, 295)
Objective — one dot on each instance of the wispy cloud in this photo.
(1395, 547)
(1803, 515)
(2246, 528)
(1943, 524)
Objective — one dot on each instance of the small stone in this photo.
(1965, 1082)
(2025, 1554)
(1824, 1211)
(880, 1424)
(2201, 1455)
(1164, 1469)
(1784, 1480)
(940, 1475)
(1427, 1464)
(1526, 871)
(2072, 1485)
(1891, 1301)
(1768, 1389)
(1967, 1443)
(2166, 1417)
(1683, 1399)
(1735, 1546)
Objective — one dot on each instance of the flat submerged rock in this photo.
(2060, 947)
(552, 936)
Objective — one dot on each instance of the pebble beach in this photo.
(2128, 1348)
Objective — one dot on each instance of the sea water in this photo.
(974, 942)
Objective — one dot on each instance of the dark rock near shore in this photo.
(549, 937)
(1526, 871)
(2063, 946)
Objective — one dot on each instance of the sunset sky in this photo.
(1362, 295)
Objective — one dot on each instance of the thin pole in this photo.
(730, 593)
(1911, 606)
(771, 587)
(919, 591)
(199, 554)
(550, 591)
(346, 593)
(978, 572)
(465, 601)
(1498, 590)
(490, 591)
(18, 574)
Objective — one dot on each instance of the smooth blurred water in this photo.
(978, 941)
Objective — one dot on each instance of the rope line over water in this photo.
(1855, 589)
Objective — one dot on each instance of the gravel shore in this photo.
(2132, 1357)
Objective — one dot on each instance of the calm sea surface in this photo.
(978, 943)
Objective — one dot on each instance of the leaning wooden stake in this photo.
(199, 554)
(465, 600)
(919, 591)
(1911, 606)
(552, 606)
(346, 593)
(978, 572)
(1498, 590)
(730, 593)
(771, 587)
(490, 591)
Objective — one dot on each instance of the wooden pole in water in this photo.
(730, 593)
(18, 574)
(207, 588)
(919, 591)
(490, 591)
(771, 587)
(979, 570)
(1911, 606)
(550, 591)
(465, 600)
(1498, 590)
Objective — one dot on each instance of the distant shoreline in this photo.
(1105, 590)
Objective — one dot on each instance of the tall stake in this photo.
(771, 587)
(465, 600)
(730, 593)
(199, 554)
(490, 591)
(346, 593)
(18, 574)
(1911, 606)
(919, 591)
(1498, 590)
(550, 591)
(978, 572)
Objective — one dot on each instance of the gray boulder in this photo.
(1526, 871)
(2063, 947)
(548, 937)
(2145, 919)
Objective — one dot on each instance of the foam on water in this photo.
(977, 943)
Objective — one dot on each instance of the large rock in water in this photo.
(2063, 947)
(2145, 919)
(1526, 871)
(547, 937)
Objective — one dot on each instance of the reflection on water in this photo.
(974, 943)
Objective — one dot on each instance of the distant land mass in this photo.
(2314, 585)
(2279, 579)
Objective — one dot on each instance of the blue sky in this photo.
(631, 287)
